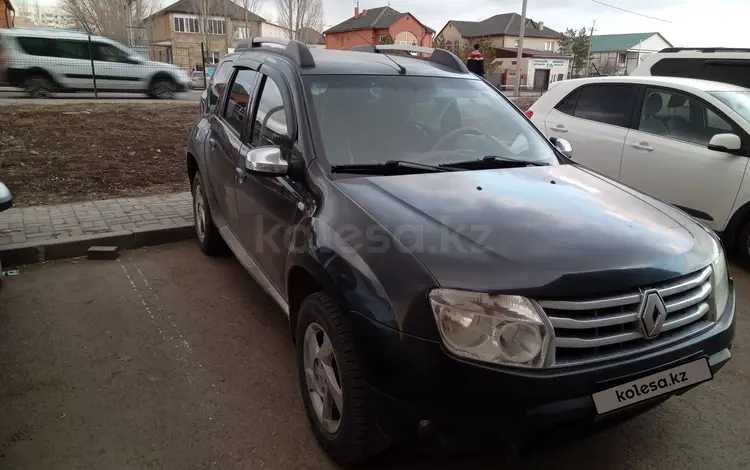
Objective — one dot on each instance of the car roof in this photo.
(52, 33)
(335, 62)
(679, 82)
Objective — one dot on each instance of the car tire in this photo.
(208, 235)
(39, 86)
(162, 89)
(743, 246)
(349, 435)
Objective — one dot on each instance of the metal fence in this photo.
(45, 62)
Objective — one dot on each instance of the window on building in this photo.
(186, 25)
(457, 45)
(213, 57)
(549, 45)
(239, 97)
(622, 58)
(516, 43)
(406, 38)
(342, 42)
(214, 27)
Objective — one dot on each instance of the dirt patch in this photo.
(525, 102)
(79, 152)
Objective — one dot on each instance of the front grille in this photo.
(599, 329)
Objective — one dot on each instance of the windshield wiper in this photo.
(390, 167)
(491, 161)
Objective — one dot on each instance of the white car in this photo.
(718, 64)
(45, 61)
(684, 141)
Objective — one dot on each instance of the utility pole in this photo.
(520, 49)
(588, 54)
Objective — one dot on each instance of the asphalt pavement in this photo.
(168, 359)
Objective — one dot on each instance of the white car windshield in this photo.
(739, 101)
(429, 120)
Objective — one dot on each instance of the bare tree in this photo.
(297, 14)
(111, 18)
(250, 6)
(607, 67)
(23, 10)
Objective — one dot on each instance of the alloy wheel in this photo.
(322, 378)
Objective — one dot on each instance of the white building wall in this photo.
(273, 30)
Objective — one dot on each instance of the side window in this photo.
(239, 97)
(735, 72)
(687, 68)
(676, 115)
(72, 50)
(568, 105)
(609, 104)
(270, 126)
(109, 53)
(37, 46)
(219, 81)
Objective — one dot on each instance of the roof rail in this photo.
(294, 50)
(438, 56)
(704, 49)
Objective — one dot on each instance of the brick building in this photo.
(176, 32)
(374, 26)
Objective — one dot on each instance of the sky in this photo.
(687, 22)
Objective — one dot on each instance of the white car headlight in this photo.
(720, 294)
(501, 329)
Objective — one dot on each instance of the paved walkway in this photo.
(45, 223)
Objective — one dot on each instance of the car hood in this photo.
(547, 231)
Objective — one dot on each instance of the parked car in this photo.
(445, 269)
(718, 64)
(684, 141)
(45, 61)
(198, 79)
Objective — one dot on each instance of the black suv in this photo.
(446, 270)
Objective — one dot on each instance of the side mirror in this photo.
(563, 146)
(266, 161)
(6, 200)
(730, 143)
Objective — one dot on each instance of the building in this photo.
(45, 16)
(311, 38)
(541, 62)
(375, 26)
(7, 14)
(273, 30)
(620, 54)
(176, 32)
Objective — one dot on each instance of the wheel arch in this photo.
(737, 222)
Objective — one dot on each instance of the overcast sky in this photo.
(693, 22)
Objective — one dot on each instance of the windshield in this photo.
(429, 120)
(739, 101)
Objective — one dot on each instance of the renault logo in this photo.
(651, 313)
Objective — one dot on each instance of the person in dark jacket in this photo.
(475, 62)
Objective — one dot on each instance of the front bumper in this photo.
(419, 387)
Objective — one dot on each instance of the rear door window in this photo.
(734, 72)
(72, 50)
(608, 104)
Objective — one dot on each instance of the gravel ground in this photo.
(167, 359)
(82, 152)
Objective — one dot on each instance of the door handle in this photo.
(212, 143)
(559, 128)
(240, 174)
(643, 146)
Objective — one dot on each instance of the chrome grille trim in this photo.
(598, 329)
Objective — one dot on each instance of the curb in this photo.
(72, 247)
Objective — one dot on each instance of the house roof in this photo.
(310, 36)
(506, 24)
(537, 53)
(217, 8)
(374, 18)
(618, 42)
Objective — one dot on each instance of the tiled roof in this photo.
(508, 24)
(374, 18)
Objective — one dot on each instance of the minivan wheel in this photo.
(208, 235)
(38, 86)
(335, 395)
(163, 89)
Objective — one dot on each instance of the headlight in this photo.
(502, 329)
(721, 284)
